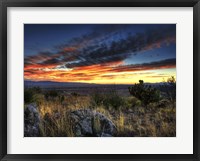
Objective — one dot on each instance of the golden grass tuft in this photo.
(132, 120)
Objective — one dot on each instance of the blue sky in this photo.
(63, 52)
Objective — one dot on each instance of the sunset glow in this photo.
(103, 54)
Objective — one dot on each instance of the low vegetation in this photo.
(147, 112)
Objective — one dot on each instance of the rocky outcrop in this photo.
(84, 122)
(90, 124)
(31, 121)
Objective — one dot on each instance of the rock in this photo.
(86, 126)
(90, 123)
(31, 121)
(105, 135)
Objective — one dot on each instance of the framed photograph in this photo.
(109, 80)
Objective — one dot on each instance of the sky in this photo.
(99, 53)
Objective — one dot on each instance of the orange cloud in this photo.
(69, 49)
(82, 61)
(95, 73)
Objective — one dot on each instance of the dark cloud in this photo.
(99, 33)
(40, 57)
(53, 61)
(118, 50)
(167, 63)
(47, 58)
(101, 46)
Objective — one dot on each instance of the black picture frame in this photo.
(4, 4)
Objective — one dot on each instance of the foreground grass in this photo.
(129, 116)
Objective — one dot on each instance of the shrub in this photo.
(145, 93)
(169, 88)
(108, 99)
(97, 98)
(113, 99)
(51, 94)
(29, 94)
(131, 102)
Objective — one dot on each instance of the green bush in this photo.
(145, 93)
(114, 100)
(29, 94)
(131, 102)
(97, 98)
(108, 99)
(51, 94)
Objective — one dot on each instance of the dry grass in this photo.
(130, 120)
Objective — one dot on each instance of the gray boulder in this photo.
(105, 135)
(31, 121)
(90, 123)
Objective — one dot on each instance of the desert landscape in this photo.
(107, 110)
(99, 80)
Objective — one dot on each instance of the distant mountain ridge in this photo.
(56, 84)
(47, 84)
